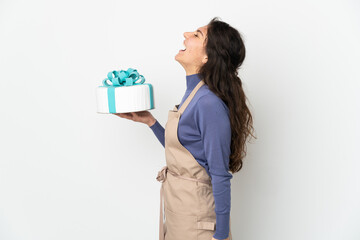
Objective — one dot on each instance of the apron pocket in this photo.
(205, 230)
(206, 225)
(179, 226)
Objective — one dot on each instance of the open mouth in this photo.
(183, 50)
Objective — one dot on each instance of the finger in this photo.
(119, 114)
(124, 115)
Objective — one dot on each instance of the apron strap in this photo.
(191, 95)
(161, 223)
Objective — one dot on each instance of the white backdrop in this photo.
(67, 172)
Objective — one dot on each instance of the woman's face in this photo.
(193, 56)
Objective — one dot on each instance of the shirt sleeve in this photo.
(213, 120)
(159, 132)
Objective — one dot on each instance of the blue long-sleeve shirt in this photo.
(204, 130)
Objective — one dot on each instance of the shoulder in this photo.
(209, 102)
(212, 116)
(211, 112)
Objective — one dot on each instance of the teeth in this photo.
(184, 46)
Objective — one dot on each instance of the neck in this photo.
(191, 81)
(191, 70)
(191, 73)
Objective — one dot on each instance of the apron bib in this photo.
(189, 205)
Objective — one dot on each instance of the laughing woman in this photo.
(204, 137)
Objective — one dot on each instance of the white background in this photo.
(67, 172)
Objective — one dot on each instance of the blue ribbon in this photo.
(123, 78)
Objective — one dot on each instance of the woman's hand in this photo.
(218, 239)
(142, 116)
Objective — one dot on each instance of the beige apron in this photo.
(189, 204)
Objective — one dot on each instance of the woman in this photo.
(207, 141)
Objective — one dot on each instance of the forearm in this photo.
(222, 196)
(159, 131)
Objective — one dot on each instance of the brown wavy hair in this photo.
(225, 50)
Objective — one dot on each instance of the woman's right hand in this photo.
(142, 116)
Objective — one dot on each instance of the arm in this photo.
(159, 131)
(214, 124)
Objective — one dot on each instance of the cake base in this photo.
(124, 99)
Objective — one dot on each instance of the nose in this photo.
(185, 34)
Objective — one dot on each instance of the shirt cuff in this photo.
(222, 226)
(155, 126)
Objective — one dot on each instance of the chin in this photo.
(176, 57)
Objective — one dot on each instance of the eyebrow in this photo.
(200, 32)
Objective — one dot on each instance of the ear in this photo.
(204, 60)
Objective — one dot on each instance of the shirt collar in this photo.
(191, 81)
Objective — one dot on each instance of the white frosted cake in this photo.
(124, 94)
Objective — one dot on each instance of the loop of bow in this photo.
(162, 174)
(123, 78)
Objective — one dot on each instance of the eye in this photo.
(195, 35)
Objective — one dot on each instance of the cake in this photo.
(122, 92)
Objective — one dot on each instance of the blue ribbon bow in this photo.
(123, 78)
